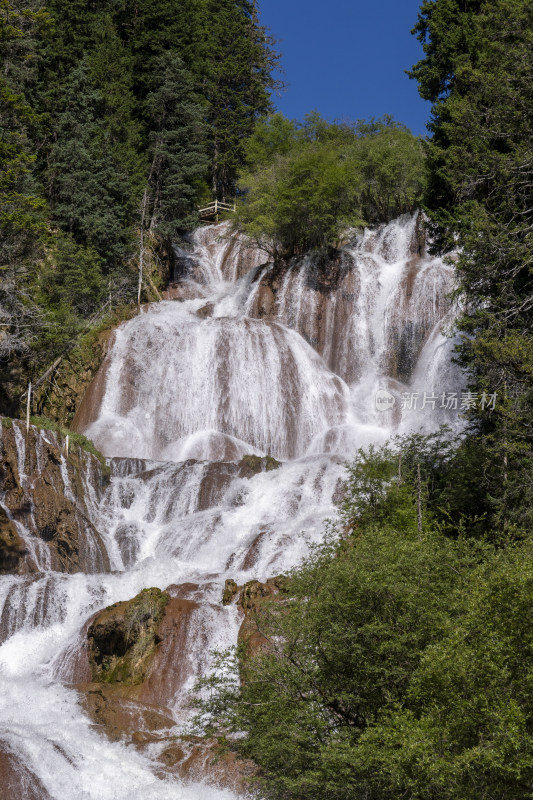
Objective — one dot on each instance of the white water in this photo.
(186, 392)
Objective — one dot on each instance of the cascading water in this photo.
(252, 359)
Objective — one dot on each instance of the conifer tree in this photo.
(237, 62)
(88, 186)
(177, 148)
(477, 72)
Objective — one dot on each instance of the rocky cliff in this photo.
(46, 502)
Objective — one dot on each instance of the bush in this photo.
(397, 663)
(305, 186)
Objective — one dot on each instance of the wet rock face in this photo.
(230, 590)
(12, 547)
(253, 465)
(251, 599)
(124, 636)
(322, 295)
(44, 490)
(16, 780)
(121, 717)
(60, 399)
(194, 759)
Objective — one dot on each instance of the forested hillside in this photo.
(116, 118)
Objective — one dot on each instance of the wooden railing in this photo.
(215, 208)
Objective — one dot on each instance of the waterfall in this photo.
(248, 358)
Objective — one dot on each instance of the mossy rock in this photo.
(123, 638)
(253, 465)
(230, 590)
(12, 547)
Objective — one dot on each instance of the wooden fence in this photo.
(214, 209)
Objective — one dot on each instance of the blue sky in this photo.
(347, 58)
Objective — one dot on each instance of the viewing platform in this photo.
(211, 212)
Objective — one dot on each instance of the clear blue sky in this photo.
(347, 58)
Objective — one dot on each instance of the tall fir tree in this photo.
(177, 149)
(89, 188)
(237, 64)
(478, 73)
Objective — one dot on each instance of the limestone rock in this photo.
(17, 782)
(230, 590)
(253, 465)
(120, 717)
(195, 759)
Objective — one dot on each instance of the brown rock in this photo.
(35, 496)
(253, 465)
(123, 638)
(17, 782)
(205, 311)
(230, 590)
(194, 759)
(120, 717)
(252, 599)
(12, 547)
(169, 669)
(137, 711)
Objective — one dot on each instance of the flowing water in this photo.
(248, 358)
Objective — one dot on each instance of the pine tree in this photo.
(21, 206)
(237, 61)
(88, 186)
(477, 72)
(177, 148)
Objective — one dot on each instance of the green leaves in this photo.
(74, 279)
(306, 186)
(396, 664)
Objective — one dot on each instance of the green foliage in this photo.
(74, 281)
(21, 207)
(465, 727)
(237, 60)
(178, 150)
(477, 73)
(376, 490)
(115, 118)
(396, 663)
(88, 188)
(274, 136)
(392, 167)
(305, 186)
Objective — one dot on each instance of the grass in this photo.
(43, 423)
